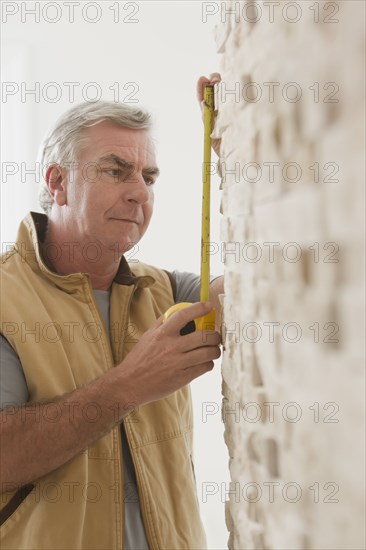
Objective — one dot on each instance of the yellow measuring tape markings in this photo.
(207, 322)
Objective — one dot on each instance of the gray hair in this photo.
(64, 140)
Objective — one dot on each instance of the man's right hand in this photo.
(159, 364)
(163, 361)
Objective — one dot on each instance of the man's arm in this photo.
(31, 446)
(161, 362)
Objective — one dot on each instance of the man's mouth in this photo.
(128, 220)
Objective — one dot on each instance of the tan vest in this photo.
(53, 323)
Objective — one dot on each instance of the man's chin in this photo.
(121, 247)
(118, 242)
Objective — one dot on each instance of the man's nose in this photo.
(136, 189)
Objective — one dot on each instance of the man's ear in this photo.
(56, 178)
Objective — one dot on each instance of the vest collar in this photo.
(32, 232)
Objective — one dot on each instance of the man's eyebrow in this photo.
(122, 163)
(151, 170)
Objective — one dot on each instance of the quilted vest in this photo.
(54, 325)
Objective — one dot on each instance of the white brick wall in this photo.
(295, 484)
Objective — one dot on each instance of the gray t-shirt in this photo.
(13, 390)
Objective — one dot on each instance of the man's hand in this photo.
(163, 361)
(203, 81)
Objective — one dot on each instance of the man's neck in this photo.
(65, 255)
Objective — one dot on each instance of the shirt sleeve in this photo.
(188, 286)
(13, 386)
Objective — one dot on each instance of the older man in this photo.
(96, 431)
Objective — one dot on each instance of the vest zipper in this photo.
(141, 496)
(139, 484)
(119, 437)
(101, 323)
(128, 435)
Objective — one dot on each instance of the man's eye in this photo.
(149, 181)
(114, 172)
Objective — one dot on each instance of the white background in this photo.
(162, 54)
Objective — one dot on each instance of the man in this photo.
(96, 401)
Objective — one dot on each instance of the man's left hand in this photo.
(203, 81)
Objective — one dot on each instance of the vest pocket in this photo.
(15, 501)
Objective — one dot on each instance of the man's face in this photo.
(110, 195)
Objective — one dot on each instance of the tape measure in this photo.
(207, 322)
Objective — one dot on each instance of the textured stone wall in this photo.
(291, 118)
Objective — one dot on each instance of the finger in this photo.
(183, 316)
(195, 372)
(202, 81)
(215, 78)
(202, 355)
(200, 338)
